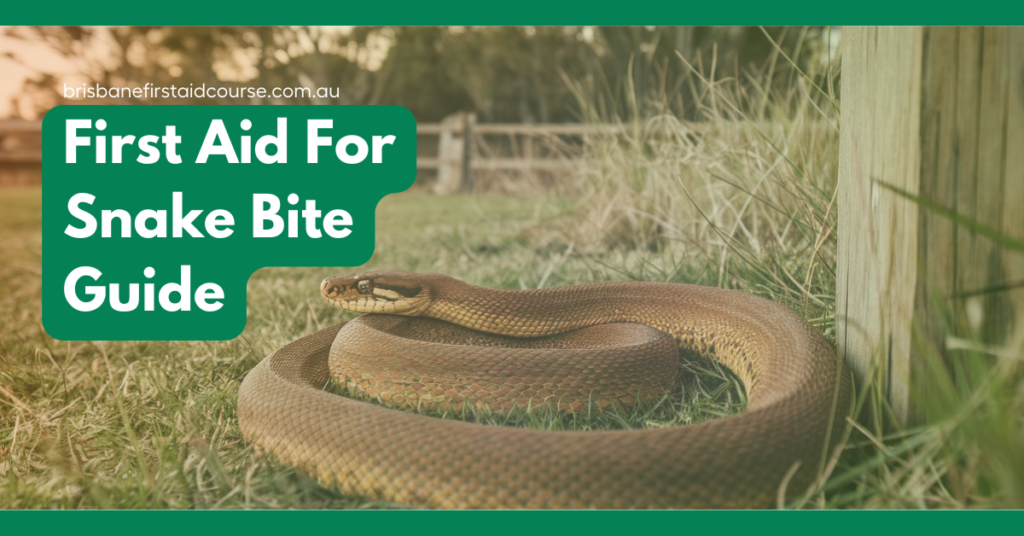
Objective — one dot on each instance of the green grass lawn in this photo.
(153, 424)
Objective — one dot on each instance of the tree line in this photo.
(503, 74)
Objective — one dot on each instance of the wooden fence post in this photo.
(450, 154)
(937, 113)
(468, 127)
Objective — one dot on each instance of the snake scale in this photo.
(444, 343)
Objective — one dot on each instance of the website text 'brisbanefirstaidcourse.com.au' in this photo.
(201, 91)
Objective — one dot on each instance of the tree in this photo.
(513, 74)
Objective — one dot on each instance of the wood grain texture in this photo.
(937, 112)
(879, 143)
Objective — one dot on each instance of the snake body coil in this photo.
(799, 396)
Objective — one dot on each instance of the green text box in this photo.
(346, 187)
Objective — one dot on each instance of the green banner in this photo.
(525, 12)
(154, 217)
(836, 523)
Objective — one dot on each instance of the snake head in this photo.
(393, 292)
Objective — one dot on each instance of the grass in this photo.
(153, 424)
(746, 199)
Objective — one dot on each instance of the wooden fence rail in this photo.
(458, 154)
(457, 149)
(21, 155)
(463, 150)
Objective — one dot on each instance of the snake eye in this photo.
(365, 286)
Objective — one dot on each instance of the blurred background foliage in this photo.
(503, 74)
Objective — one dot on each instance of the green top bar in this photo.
(520, 12)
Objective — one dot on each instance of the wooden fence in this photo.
(458, 150)
(466, 150)
(21, 154)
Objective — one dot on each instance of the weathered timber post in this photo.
(451, 154)
(937, 113)
(468, 149)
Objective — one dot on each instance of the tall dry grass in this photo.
(745, 198)
(746, 193)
